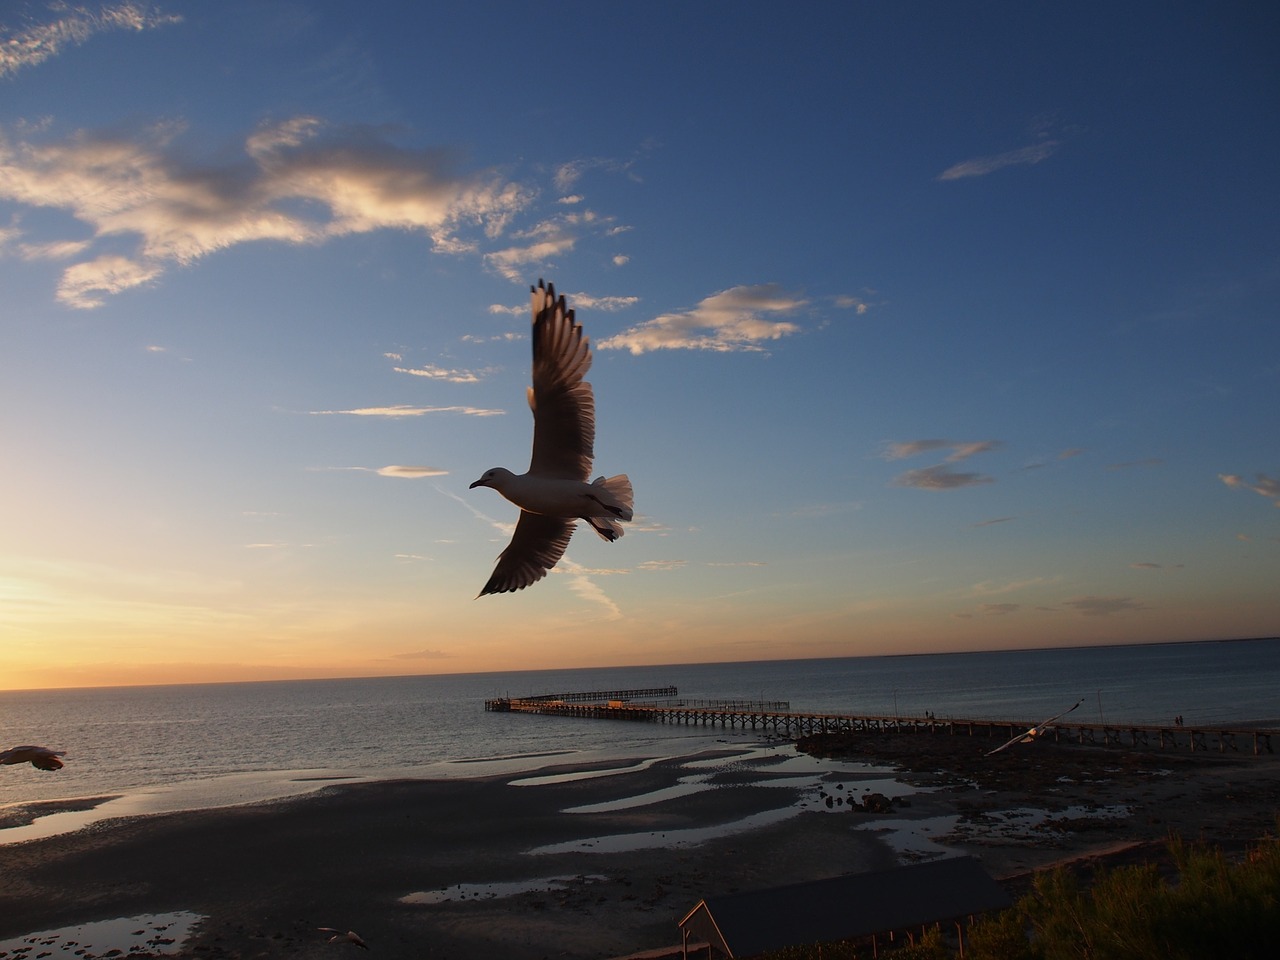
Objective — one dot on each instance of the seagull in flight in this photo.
(42, 758)
(554, 494)
(1034, 732)
(348, 936)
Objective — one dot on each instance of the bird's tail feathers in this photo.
(618, 497)
(609, 530)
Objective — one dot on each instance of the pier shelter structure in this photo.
(881, 906)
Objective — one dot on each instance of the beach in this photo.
(601, 860)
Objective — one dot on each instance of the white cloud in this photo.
(405, 410)
(981, 166)
(75, 25)
(1265, 486)
(300, 182)
(849, 302)
(621, 260)
(511, 262)
(734, 319)
(54, 250)
(432, 372)
(584, 301)
(85, 285)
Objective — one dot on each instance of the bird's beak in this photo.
(478, 483)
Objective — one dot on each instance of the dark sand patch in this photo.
(267, 875)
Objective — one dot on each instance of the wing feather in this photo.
(564, 410)
(537, 545)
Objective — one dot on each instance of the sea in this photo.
(201, 745)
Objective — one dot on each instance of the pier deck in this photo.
(739, 716)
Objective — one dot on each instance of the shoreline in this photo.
(600, 858)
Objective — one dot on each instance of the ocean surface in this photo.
(189, 746)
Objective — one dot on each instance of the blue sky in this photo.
(918, 328)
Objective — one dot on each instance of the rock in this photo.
(877, 803)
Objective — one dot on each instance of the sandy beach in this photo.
(566, 862)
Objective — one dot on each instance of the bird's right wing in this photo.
(564, 410)
(537, 545)
(1005, 746)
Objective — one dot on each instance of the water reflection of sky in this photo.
(151, 934)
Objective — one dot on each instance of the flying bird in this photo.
(1034, 732)
(42, 758)
(554, 494)
(344, 936)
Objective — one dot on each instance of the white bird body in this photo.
(554, 493)
(556, 497)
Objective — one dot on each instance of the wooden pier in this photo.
(737, 716)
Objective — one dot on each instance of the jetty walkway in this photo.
(757, 717)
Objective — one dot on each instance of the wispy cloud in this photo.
(992, 522)
(410, 472)
(422, 655)
(1136, 464)
(1000, 609)
(300, 181)
(942, 476)
(578, 301)
(981, 166)
(735, 319)
(580, 582)
(1265, 485)
(568, 174)
(35, 44)
(432, 372)
(585, 301)
(1147, 565)
(405, 410)
(1104, 606)
(539, 246)
(960, 449)
(662, 564)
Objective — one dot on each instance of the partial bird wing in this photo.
(1031, 734)
(537, 545)
(1005, 746)
(42, 758)
(564, 408)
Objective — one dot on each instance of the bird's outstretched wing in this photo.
(1034, 731)
(537, 545)
(564, 409)
(42, 758)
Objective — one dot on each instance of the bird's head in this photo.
(496, 478)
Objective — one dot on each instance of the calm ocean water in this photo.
(202, 738)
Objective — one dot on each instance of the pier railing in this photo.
(759, 718)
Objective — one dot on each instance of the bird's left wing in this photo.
(537, 545)
(564, 410)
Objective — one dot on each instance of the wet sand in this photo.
(265, 876)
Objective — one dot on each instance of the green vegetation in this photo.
(1212, 908)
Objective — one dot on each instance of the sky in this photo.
(918, 328)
